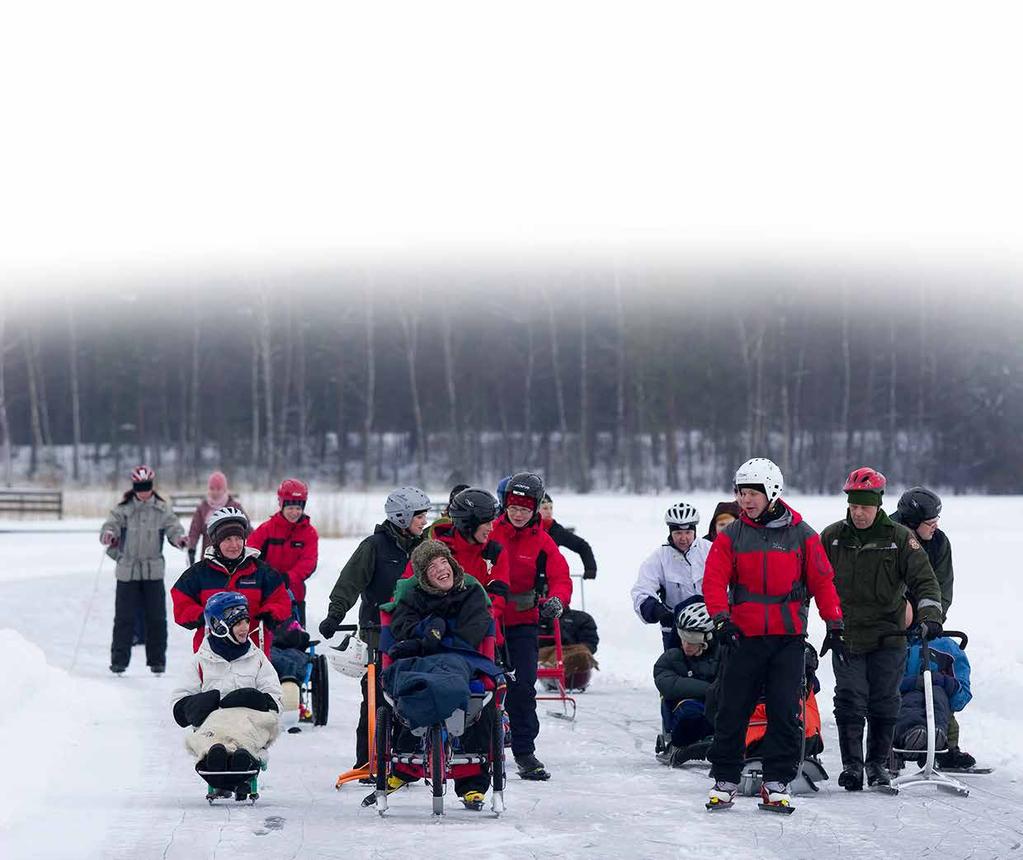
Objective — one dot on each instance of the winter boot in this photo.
(850, 743)
(216, 758)
(880, 734)
(241, 761)
(117, 668)
(955, 758)
(531, 768)
(158, 670)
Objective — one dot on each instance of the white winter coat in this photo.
(678, 575)
(235, 728)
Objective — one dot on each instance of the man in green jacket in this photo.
(876, 561)
(371, 575)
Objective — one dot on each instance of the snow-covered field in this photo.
(94, 766)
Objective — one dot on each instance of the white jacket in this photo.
(235, 728)
(667, 570)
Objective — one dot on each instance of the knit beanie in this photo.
(871, 498)
(421, 558)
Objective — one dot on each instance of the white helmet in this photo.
(222, 516)
(401, 506)
(764, 472)
(694, 617)
(350, 657)
(682, 514)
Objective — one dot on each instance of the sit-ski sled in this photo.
(227, 784)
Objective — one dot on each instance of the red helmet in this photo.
(141, 474)
(292, 492)
(865, 478)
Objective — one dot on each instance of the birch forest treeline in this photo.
(601, 378)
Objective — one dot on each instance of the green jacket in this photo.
(874, 569)
(370, 575)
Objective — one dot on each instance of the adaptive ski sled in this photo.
(928, 774)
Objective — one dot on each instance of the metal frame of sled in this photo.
(928, 775)
(556, 673)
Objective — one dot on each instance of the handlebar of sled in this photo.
(918, 631)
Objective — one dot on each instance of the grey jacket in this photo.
(140, 528)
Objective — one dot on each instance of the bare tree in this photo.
(301, 397)
(33, 400)
(455, 452)
(620, 445)
(559, 389)
(193, 398)
(371, 381)
(254, 394)
(76, 411)
(409, 320)
(846, 375)
(585, 483)
(5, 427)
(266, 363)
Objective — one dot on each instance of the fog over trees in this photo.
(600, 376)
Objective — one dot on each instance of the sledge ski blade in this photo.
(784, 809)
(884, 789)
(718, 805)
(966, 769)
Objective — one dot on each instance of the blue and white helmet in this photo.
(223, 610)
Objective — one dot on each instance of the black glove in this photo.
(930, 629)
(491, 551)
(194, 625)
(292, 639)
(248, 697)
(590, 573)
(834, 641)
(665, 616)
(329, 626)
(406, 648)
(551, 608)
(432, 634)
(726, 630)
(267, 619)
(193, 710)
(191, 556)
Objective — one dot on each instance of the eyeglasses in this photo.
(930, 523)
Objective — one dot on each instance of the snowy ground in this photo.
(95, 767)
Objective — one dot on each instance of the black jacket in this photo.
(577, 628)
(464, 611)
(680, 677)
(563, 537)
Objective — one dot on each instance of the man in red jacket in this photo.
(540, 586)
(472, 513)
(288, 542)
(773, 562)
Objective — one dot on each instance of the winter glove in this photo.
(930, 629)
(329, 626)
(194, 624)
(292, 639)
(108, 539)
(835, 641)
(249, 697)
(726, 630)
(433, 632)
(491, 551)
(181, 542)
(590, 573)
(267, 620)
(406, 648)
(551, 608)
(665, 616)
(191, 556)
(193, 710)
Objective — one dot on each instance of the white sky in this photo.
(141, 136)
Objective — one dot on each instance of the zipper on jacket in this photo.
(767, 606)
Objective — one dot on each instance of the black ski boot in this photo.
(880, 734)
(955, 759)
(850, 742)
(531, 768)
(216, 759)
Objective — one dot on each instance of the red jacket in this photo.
(522, 548)
(262, 586)
(469, 555)
(765, 575)
(289, 548)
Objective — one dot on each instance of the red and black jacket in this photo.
(764, 575)
(289, 548)
(535, 565)
(262, 586)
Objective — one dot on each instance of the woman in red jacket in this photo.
(540, 586)
(760, 575)
(288, 542)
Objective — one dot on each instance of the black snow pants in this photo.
(771, 666)
(523, 645)
(151, 596)
(868, 686)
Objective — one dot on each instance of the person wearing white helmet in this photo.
(672, 573)
(762, 571)
(370, 577)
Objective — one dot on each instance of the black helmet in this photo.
(528, 484)
(470, 509)
(918, 504)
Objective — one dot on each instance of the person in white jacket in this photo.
(672, 573)
(231, 694)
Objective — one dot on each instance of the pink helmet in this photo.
(292, 492)
(141, 474)
(865, 478)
